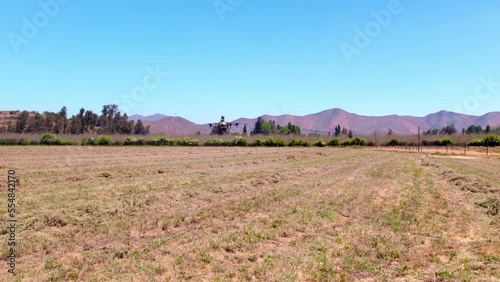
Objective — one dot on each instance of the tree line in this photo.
(472, 129)
(110, 121)
(269, 127)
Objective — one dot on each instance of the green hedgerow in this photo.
(25, 142)
(8, 142)
(217, 143)
(88, 141)
(132, 141)
(257, 143)
(299, 143)
(320, 143)
(394, 142)
(270, 142)
(48, 139)
(446, 141)
(189, 142)
(491, 141)
(51, 139)
(358, 141)
(333, 143)
(104, 141)
(160, 141)
(239, 141)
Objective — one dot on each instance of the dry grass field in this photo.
(251, 214)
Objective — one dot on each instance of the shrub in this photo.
(333, 143)
(476, 143)
(270, 142)
(239, 141)
(257, 143)
(217, 143)
(8, 141)
(491, 141)
(132, 141)
(51, 139)
(280, 143)
(446, 141)
(358, 141)
(347, 143)
(25, 142)
(48, 139)
(63, 142)
(394, 142)
(160, 141)
(88, 141)
(189, 142)
(370, 144)
(299, 143)
(320, 143)
(104, 141)
(34, 143)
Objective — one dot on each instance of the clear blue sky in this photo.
(274, 57)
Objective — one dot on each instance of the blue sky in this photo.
(250, 57)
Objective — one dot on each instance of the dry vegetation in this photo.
(252, 214)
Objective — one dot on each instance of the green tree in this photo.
(106, 121)
(75, 125)
(474, 129)
(81, 115)
(90, 120)
(245, 129)
(266, 128)
(350, 134)
(338, 130)
(140, 129)
(258, 126)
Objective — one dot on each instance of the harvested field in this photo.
(252, 214)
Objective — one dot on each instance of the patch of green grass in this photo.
(206, 258)
(445, 274)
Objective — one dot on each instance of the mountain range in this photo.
(326, 121)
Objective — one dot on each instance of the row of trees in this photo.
(343, 131)
(111, 121)
(477, 129)
(269, 127)
(473, 129)
(447, 130)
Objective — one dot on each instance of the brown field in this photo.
(251, 214)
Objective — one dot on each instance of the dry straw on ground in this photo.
(252, 214)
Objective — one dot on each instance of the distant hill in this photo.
(176, 126)
(152, 118)
(322, 122)
(326, 121)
